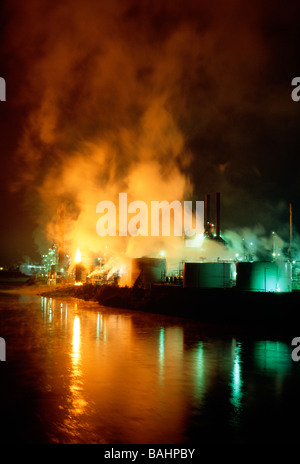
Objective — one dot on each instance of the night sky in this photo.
(101, 95)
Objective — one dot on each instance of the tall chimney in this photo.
(61, 245)
(217, 214)
(291, 232)
(207, 214)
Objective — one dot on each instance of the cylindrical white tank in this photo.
(263, 276)
(208, 275)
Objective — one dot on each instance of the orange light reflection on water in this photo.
(76, 381)
(120, 376)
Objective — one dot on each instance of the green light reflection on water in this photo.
(161, 349)
(199, 374)
(236, 377)
(200, 365)
(272, 356)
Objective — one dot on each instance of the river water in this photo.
(77, 372)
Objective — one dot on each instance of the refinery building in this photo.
(242, 273)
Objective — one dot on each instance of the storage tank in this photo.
(78, 272)
(208, 275)
(264, 276)
(146, 271)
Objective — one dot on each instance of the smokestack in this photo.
(291, 232)
(207, 214)
(217, 214)
(78, 272)
(61, 245)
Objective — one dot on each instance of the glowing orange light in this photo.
(78, 256)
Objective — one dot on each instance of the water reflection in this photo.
(116, 375)
(236, 377)
(272, 356)
(75, 354)
(161, 350)
(113, 376)
(99, 328)
(76, 381)
(199, 372)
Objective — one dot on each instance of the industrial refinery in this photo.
(242, 272)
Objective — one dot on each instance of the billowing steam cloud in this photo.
(141, 97)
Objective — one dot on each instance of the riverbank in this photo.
(257, 311)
